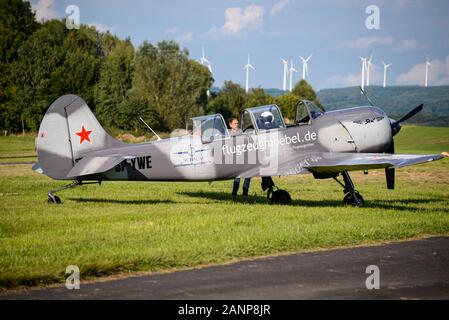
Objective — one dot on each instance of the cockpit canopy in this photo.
(257, 119)
(210, 128)
(306, 111)
(262, 118)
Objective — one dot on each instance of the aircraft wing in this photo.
(326, 162)
(90, 165)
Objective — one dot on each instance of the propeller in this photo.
(395, 128)
(390, 172)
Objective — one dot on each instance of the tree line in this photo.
(39, 62)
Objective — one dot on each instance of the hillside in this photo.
(274, 92)
(396, 101)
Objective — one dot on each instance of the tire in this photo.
(281, 197)
(54, 199)
(354, 199)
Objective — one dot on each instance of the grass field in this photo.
(125, 227)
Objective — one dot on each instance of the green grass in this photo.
(130, 226)
(17, 149)
(415, 139)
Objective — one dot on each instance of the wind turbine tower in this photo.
(369, 66)
(428, 64)
(292, 69)
(305, 68)
(362, 84)
(206, 63)
(386, 66)
(284, 83)
(247, 67)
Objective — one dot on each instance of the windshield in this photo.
(306, 110)
(315, 111)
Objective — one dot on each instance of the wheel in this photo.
(354, 199)
(281, 197)
(53, 199)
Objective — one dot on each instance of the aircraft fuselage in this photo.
(360, 129)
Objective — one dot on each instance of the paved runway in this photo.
(408, 270)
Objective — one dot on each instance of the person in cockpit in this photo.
(266, 121)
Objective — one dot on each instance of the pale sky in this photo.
(333, 30)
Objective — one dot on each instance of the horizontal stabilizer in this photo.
(92, 165)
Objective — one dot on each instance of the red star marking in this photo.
(84, 135)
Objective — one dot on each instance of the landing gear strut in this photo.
(53, 198)
(352, 196)
(277, 197)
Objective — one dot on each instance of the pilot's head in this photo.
(267, 119)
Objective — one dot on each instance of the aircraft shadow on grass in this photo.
(122, 201)
(393, 204)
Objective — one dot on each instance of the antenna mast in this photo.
(158, 138)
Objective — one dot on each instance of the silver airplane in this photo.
(72, 145)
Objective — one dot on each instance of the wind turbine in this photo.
(291, 70)
(369, 66)
(247, 67)
(284, 83)
(362, 85)
(428, 64)
(206, 63)
(386, 66)
(305, 68)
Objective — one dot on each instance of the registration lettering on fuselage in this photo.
(139, 163)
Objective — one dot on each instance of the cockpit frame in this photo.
(252, 114)
(210, 128)
(306, 112)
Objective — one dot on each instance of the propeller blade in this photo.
(390, 172)
(409, 115)
(396, 127)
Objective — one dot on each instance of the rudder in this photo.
(68, 131)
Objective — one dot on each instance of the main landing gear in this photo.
(352, 196)
(53, 198)
(277, 197)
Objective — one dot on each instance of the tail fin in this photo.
(69, 131)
